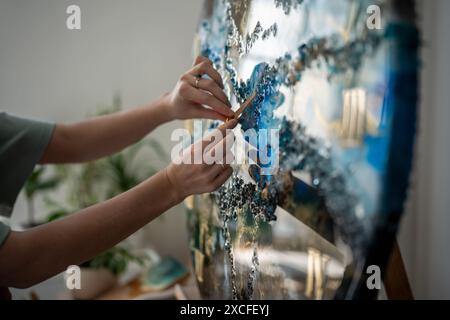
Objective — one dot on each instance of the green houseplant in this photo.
(36, 184)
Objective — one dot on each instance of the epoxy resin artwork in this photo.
(337, 82)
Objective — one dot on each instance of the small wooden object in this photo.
(244, 106)
(396, 279)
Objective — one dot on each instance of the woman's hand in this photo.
(195, 97)
(188, 178)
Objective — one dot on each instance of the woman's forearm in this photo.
(32, 256)
(101, 136)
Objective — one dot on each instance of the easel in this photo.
(396, 280)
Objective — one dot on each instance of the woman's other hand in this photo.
(188, 178)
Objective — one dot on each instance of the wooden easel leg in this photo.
(396, 280)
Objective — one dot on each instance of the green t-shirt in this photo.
(22, 144)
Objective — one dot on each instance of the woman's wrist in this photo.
(160, 191)
(160, 110)
(173, 187)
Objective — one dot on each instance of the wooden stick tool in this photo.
(244, 106)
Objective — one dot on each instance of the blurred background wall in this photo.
(138, 48)
(425, 237)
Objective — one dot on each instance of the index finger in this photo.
(222, 130)
(200, 59)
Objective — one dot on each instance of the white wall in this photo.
(425, 236)
(135, 47)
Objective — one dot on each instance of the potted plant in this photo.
(36, 184)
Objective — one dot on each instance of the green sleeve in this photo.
(22, 144)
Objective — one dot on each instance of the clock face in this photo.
(337, 81)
